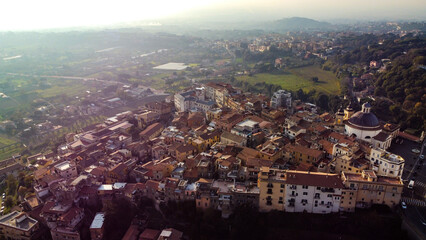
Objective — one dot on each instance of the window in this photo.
(305, 187)
(282, 185)
(329, 195)
(318, 188)
(305, 193)
(281, 191)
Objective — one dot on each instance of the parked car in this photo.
(411, 184)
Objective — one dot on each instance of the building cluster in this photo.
(221, 148)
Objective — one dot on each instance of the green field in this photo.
(8, 153)
(4, 140)
(299, 78)
(70, 90)
(6, 150)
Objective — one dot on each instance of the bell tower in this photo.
(349, 111)
(338, 123)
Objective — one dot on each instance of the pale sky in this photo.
(42, 14)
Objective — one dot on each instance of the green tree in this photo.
(11, 184)
(119, 214)
(322, 101)
(8, 202)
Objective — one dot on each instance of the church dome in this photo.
(363, 119)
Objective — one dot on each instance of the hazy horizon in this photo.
(48, 14)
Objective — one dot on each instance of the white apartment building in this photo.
(184, 101)
(312, 192)
(385, 163)
(281, 98)
(246, 128)
(66, 169)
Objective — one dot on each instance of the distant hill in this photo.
(298, 24)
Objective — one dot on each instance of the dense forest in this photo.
(400, 86)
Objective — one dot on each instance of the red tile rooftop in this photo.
(409, 136)
(314, 179)
(149, 234)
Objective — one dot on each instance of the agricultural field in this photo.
(4, 140)
(67, 87)
(8, 147)
(299, 78)
(8, 152)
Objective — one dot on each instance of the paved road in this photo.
(415, 219)
(415, 214)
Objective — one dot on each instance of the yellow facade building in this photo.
(366, 188)
(271, 184)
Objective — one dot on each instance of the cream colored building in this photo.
(366, 188)
(18, 225)
(345, 163)
(271, 184)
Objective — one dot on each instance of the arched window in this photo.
(367, 137)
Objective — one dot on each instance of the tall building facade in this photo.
(281, 98)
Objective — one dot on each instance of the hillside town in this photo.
(219, 147)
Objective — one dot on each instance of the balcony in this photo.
(329, 204)
(329, 190)
(293, 194)
(293, 187)
(317, 197)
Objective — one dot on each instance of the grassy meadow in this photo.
(299, 78)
